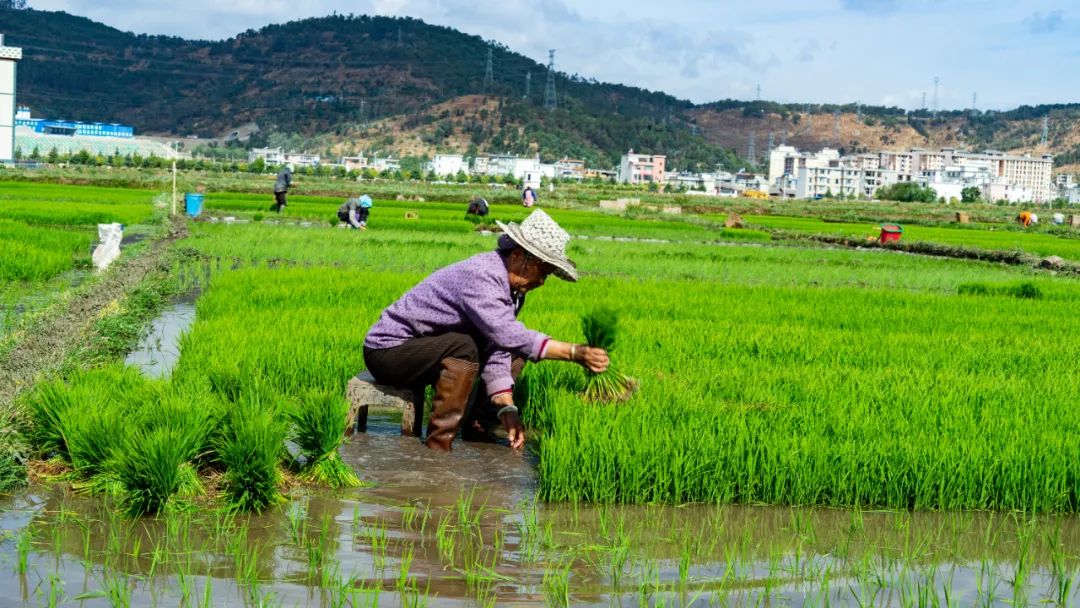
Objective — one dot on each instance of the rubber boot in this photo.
(452, 391)
(481, 423)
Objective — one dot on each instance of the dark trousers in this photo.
(279, 201)
(361, 216)
(416, 363)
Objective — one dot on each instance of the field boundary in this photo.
(1012, 258)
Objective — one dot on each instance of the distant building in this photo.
(570, 169)
(948, 171)
(445, 165)
(641, 168)
(277, 156)
(386, 164)
(354, 163)
(71, 127)
(8, 56)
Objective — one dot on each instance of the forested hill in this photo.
(331, 75)
(356, 83)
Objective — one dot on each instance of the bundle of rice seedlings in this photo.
(95, 439)
(249, 447)
(600, 328)
(47, 406)
(152, 468)
(319, 422)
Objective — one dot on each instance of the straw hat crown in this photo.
(544, 238)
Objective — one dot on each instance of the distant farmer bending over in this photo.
(477, 206)
(355, 212)
(281, 187)
(461, 321)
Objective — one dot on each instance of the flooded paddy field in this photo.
(876, 392)
(467, 531)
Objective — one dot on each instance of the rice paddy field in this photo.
(47, 234)
(814, 426)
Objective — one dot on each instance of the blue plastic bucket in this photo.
(193, 203)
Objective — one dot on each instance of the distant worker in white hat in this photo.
(281, 187)
(354, 212)
(461, 322)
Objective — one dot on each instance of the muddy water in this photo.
(465, 530)
(159, 350)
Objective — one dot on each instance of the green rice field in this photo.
(47, 235)
(814, 426)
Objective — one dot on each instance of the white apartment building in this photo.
(277, 156)
(641, 168)
(9, 55)
(445, 165)
(947, 170)
(785, 162)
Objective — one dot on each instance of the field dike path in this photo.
(43, 346)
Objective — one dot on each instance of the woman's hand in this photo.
(593, 359)
(514, 429)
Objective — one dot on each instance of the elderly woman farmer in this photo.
(461, 321)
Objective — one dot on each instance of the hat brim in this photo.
(565, 268)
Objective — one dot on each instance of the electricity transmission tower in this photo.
(1045, 130)
(528, 85)
(751, 151)
(836, 127)
(923, 106)
(935, 96)
(489, 75)
(771, 142)
(549, 88)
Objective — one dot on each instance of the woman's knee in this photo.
(462, 346)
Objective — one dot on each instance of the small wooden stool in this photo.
(363, 393)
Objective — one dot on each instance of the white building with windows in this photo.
(9, 55)
(278, 156)
(448, 165)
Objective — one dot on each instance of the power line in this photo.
(549, 88)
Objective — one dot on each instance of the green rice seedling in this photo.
(319, 422)
(249, 447)
(151, 467)
(24, 542)
(556, 584)
(600, 328)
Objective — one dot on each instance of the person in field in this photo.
(478, 207)
(354, 212)
(528, 197)
(461, 322)
(281, 187)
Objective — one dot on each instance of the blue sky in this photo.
(872, 51)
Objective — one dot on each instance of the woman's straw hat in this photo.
(544, 238)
